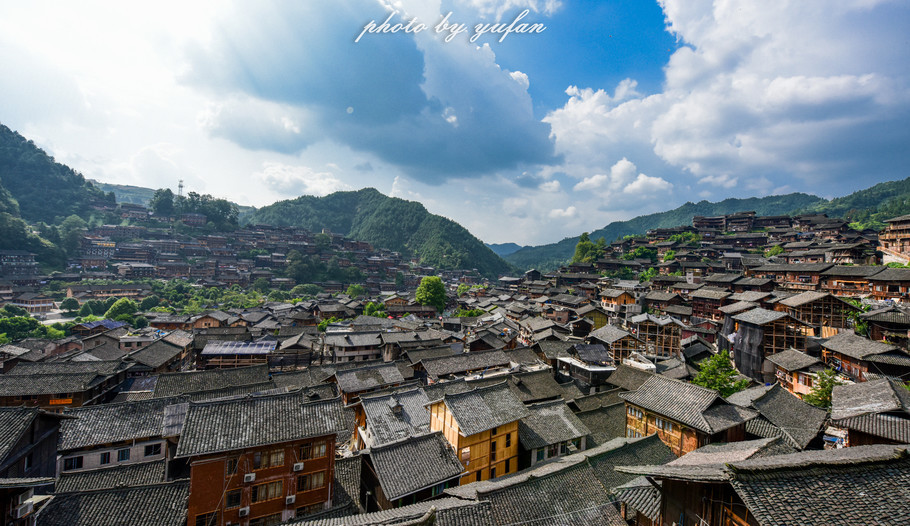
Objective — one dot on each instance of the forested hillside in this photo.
(869, 208)
(44, 189)
(547, 257)
(386, 222)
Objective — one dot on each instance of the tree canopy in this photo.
(718, 373)
(432, 291)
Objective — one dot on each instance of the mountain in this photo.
(869, 208)
(44, 189)
(125, 193)
(386, 222)
(504, 249)
(547, 257)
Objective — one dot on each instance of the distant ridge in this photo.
(551, 256)
(387, 222)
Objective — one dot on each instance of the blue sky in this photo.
(616, 109)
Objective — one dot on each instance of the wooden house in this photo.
(619, 342)
(758, 333)
(660, 335)
(482, 426)
(862, 359)
(826, 313)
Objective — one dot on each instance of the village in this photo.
(738, 370)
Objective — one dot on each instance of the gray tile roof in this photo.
(110, 423)
(464, 362)
(628, 378)
(759, 316)
(366, 378)
(608, 334)
(155, 505)
(347, 481)
(484, 408)
(549, 423)
(745, 397)
(793, 360)
(414, 463)
(214, 427)
(553, 349)
(596, 400)
(800, 422)
(855, 485)
(156, 354)
(641, 496)
(14, 421)
(735, 308)
(135, 474)
(874, 396)
(625, 451)
(448, 511)
(890, 427)
(173, 384)
(605, 423)
(688, 404)
(396, 416)
(854, 346)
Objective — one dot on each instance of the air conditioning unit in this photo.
(249, 477)
(23, 510)
(298, 466)
(290, 499)
(243, 512)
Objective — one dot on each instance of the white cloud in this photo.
(298, 180)
(594, 182)
(644, 185)
(558, 213)
(497, 8)
(723, 180)
(520, 78)
(550, 186)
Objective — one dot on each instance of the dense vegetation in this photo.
(220, 212)
(45, 190)
(125, 193)
(504, 249)
(547, 257)
(386, 222)
(869, 208)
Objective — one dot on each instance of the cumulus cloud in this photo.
(298, 180)
(761, 96)
(497, 8)
(259, 125)
(644, 185)
(550, 186)
(432, 109)
(558, 213)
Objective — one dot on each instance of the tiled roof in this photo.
(549, 423)
(484, 408)
(874, 396)
(396, 416)
(854, 346)
(803, 298)
(214, 427)
(43, 384)
(173, 384)
(891, 274)
(463, 362)
(596, 400)
(793, 360)
(628, 378)
(800, 422)
(135, 474)
(855, 485)
(14, 421)
(366, 378)
(414, 463)
(553, 349)
(155, 505)
(156, 354)
(891, 427)
(626, 451)
(448, 511)
(608, 334)
(641, 496)
(593, 353)
(606, 423)
(110, 423)
(759, 316)
(347, 481)
(685, 403)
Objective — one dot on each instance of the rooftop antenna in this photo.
(180, 188)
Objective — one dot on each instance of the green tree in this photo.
(85, 310)
(121, 307)
(325, 323)
(149, 302)
(822, 387)
(432, 291)
(71, 231)
(399, 280)
(18, 327)
(774, 251)
(140, 322)
(162, 202)
(308, 290)
(9, 311)
(355, 291)
(261, 285)
(587, 251)
(669, 255)
(462, 289)
(718, 373)
(374, 309)
(70, 304)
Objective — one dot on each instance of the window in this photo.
(311, 451)
(268, 459)
(635, 412)
(230, 466)
(540, 454)
(267, 491)
(268, 520)
(310, 481)
(493, 432)
(465, 455)
(493, 451)
(509, 440)
(29, 462)
(493, 473)
(207, 519)
(152, 450)
(72, 463)
(123, 455)
(105, 458)
(663, 425)
(478, 475)
(232, 499)
(508, 460)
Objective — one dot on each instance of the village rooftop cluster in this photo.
(572, 397)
